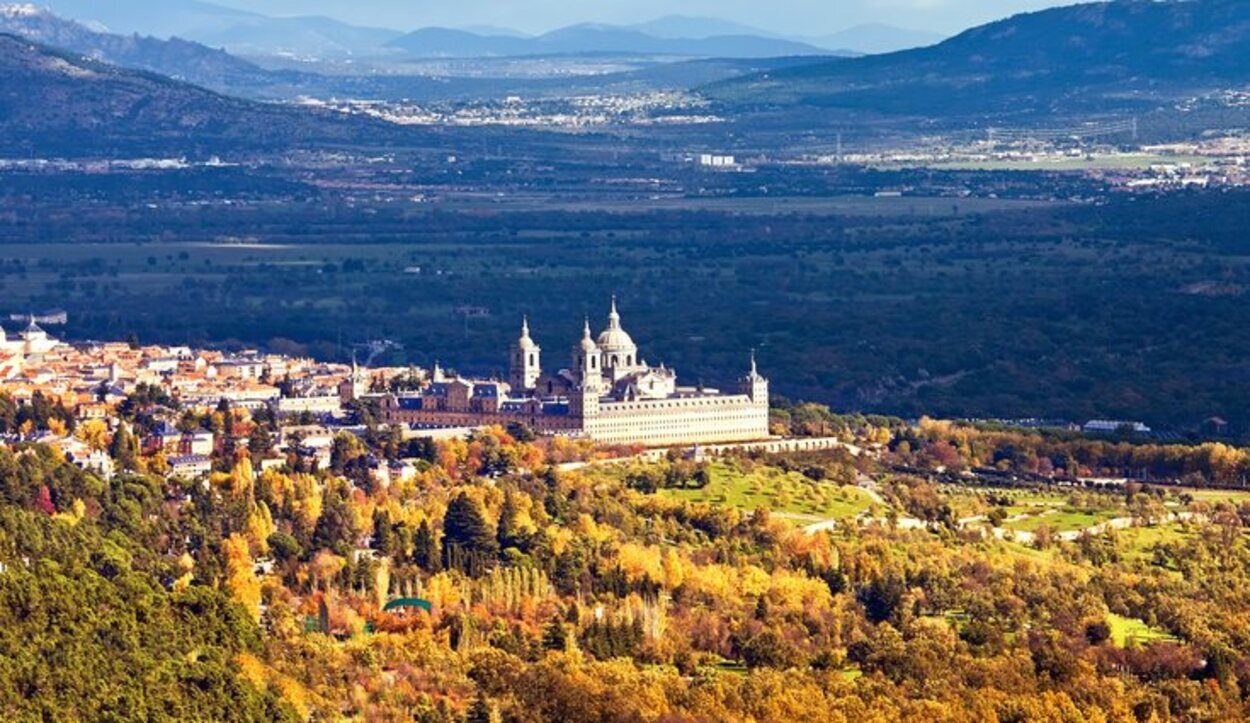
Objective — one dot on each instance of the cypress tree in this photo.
(424, 551)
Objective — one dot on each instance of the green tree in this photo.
(466, 533)
(424, 550)
(124, 449)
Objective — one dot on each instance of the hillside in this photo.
(1093, 57)
(176, 58)
(235, 30)
(53, 102)
(872, 38)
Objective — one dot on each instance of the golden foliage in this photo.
(241, 578)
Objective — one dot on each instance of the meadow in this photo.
(789, 495)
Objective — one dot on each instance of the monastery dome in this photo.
(615, 338)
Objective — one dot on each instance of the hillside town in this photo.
(166, 397)
(178, 411)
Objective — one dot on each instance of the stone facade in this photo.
(607, 393)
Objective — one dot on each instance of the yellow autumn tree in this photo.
(242, 478)
(259, 527)
(94, 433)
(241, 578)
(382, 582)
(674, 570)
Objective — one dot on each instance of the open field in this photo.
(789, 494)
(1130, 631)
(1062, 520)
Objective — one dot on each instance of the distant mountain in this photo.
(314, 37)
(591, 38)
(160, 18)
(874, 38)
(179, 59)
(496, 30)
(452, 43)
(676, 27)
(236, 30)
(1122, 55)
(56, 103)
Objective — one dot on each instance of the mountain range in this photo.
(179, 59)
(595, 39)
(1125, 54)
(238, 31)
(57, 103)
(225, 73)
(254, 34)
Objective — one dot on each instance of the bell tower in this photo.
(586, 369)
(525, 363)
(753, 385)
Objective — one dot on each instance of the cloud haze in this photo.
(806, 17)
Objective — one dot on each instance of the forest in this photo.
(766, 588)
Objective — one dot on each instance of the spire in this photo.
(525, 326)
(614, 318)
(754, 370)
(587, 343)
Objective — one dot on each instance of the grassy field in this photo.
(1126, 631)
(1137, 543)
(972, 500)
(1064, 520)
(790, 494)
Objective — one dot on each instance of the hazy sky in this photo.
(805, 17)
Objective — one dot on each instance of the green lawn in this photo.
(1131, 630)
(1007, 549)
(1138, 543)
(969, 501)
(782, 492)
(1065, 520)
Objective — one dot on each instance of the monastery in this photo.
(607, 393)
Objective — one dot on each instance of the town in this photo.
(187, 409)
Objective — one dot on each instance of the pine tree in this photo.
(124, 449)
(260, 444)
(465, 528)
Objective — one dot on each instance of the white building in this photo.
(607, 393)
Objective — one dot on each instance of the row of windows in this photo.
(645, 406)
